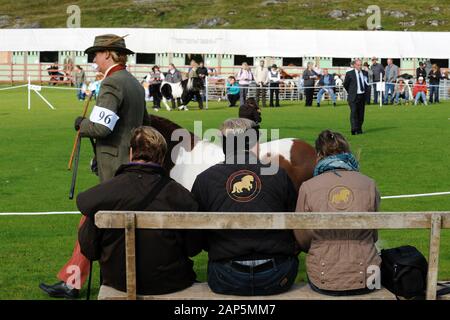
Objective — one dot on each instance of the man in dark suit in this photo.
(355, 83)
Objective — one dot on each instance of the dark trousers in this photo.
(243, 94)
(233, 98)
(198, 97)
(309, 93)
(224, 278)
(156, 94)
(434, 93)
(376, 94)
(368, 94)
(274, 89)
(357, 109)
(261, 95)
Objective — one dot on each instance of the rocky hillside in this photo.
(417, 15)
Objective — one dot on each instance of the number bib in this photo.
(104, 116)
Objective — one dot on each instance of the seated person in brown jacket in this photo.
(162, 256)
(338, 261)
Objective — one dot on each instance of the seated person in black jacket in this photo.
(162, 256)
(250, 110)
(247, 262)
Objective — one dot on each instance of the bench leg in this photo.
(130, 253)
(433, 260)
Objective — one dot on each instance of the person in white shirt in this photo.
(261, 78)
(355, 84)
(244, 77)
(273, 78)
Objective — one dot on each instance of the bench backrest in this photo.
(132, 220)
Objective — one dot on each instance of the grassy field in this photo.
(405, 149)
(272, 14)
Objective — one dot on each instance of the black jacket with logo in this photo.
(242, 188)
(162, 256)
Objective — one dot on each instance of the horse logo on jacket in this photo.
(243, 185)
(340, 197)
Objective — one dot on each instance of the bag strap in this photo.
(163, 181)
(445, 290)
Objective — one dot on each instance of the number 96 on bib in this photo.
(104, 116)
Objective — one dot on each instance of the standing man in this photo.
(120, 108)
(355, 85)
(378, 73)
(391, 78)
(274, 78)
(203, 73)
(261, 73)
(193, 73)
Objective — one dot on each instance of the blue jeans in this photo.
(421, 95)
(330, 92)
(80, 94)
(224, 278)
(389, 89)
(434, 93)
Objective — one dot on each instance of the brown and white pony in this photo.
(295, 156)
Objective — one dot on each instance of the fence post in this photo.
(11, 73)
(206, 92)
(433, 260)
(130, 253)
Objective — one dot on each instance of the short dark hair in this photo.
(329, 143)
(148, 145)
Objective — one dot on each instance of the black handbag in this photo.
(404, 272)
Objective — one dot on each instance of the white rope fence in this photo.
(14, 87)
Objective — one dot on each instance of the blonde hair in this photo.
(148, 145)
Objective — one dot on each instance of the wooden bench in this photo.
(130, 221)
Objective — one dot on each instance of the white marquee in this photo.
(277, 43)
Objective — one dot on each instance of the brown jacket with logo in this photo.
(338, 260)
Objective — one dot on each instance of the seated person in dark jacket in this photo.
(162, 256)
(247, 262)
(250, 110)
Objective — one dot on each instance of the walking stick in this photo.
(75, 156)
(77, 137)
(75, 169)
